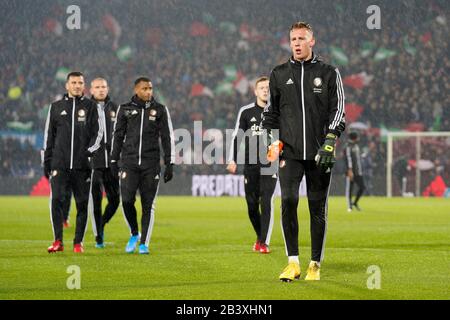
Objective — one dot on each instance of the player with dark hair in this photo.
(307, 107)
(72, 134)
(140, 125)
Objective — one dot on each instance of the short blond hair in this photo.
(301, 25)
(261, 79)
(99, 79)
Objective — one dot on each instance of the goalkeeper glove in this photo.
(274, 150)
(168, 173)
(326, 157)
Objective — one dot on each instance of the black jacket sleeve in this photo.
(95, 129)
(120, 129)
(49, 138)
(241, 126)
(271, 113)
(336, 104)
(167, 137)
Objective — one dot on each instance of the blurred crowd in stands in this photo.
(203, 57)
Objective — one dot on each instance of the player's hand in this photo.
(326, 158)
(350, 174)
(168, 173)
(274, 150)
(114, 168)
(232, 167)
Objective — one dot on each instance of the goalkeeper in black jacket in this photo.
(307, 107)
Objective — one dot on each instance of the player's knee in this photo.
(317, 195)
(127, 203)
(114, 202)
(289, 200)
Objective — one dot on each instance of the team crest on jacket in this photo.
(282, 163)
(81, 115)
(153, 112)
(112, 114)
(124, 175)
(317, 82)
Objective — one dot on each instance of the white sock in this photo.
(293, 259)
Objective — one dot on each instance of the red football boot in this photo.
(56, 246)
(264, 248)
(257, 246)
(66, 224)
(78, 248)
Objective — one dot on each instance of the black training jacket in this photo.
(107, 116)
(72, 133)
(352, 156)
(248, 127)
(137, 131)
(306, 103)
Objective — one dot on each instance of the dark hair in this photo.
(301, 25)
(261, 79)
(74, 74)
(353, 136)
(141, 79)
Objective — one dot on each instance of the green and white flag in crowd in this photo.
(61, 74)
(366, 49)
(228, 27)
(20, 126)
(408, 47)
(208, 18)
(230, 72)
(124, 53)
(384, 53)
(339, 56)
(224, 87)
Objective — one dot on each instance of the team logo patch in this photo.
(317, 82)
(153, 112)
(157, 177)
(54, 173)
(245, 181)
(282, 163)
(124, 175)
(81, 115)
(112, 114)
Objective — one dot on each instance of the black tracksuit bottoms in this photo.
(103, 179)
(291, 173)
(62, 182)
(259, 191)
(147, 182)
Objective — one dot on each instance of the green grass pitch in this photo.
(201, 249)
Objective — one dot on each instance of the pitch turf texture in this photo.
(201, 249)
